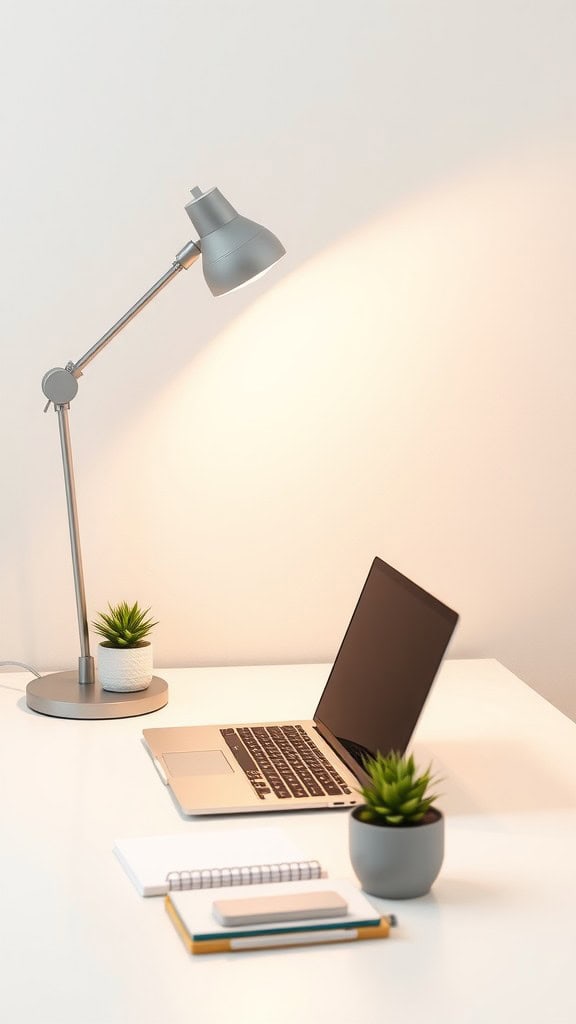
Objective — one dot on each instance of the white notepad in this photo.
(204, 859)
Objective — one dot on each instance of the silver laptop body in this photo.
(374, 695)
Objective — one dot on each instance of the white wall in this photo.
(402, 385)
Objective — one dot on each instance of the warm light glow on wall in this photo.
(382, 398)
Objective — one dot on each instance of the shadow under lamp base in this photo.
(61, 696)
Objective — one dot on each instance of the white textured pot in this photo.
(397, 862)
(125, 669)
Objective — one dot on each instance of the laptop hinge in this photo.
(342, 752)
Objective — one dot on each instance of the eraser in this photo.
(297, 906)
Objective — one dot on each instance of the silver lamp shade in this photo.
(234, 249)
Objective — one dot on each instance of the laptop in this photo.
(375, 692)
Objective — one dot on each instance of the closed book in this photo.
(193, 916)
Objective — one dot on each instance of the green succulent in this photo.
(123, 626)
(395, 795)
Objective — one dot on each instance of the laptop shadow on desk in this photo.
(495, 777)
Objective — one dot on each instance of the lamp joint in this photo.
(188, 255)
(59, 386)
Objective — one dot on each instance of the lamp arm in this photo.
(60, 386)
(185, 258)
(77, 368)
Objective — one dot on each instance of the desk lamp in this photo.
(234, 251)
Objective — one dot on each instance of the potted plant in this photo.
(397, 835)
(125, 659)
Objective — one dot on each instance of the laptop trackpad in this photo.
(197, 762)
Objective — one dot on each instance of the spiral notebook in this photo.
(206, 859)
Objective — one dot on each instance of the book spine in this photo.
(380, 931)
(253, 874)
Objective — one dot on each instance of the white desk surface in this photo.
(494, 940)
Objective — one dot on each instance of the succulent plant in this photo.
(124, 626)
(396, 794)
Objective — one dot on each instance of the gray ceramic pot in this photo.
(397, 862)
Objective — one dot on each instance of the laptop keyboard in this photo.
(284, 760)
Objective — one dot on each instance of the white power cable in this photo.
(22, 664)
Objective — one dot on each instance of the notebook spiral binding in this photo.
(210, 878)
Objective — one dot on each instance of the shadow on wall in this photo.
(408, 393)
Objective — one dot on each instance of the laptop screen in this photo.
(385, 667)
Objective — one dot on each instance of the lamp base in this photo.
(62, 696)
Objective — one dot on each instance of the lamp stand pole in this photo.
(86, 674)
(79, 694)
